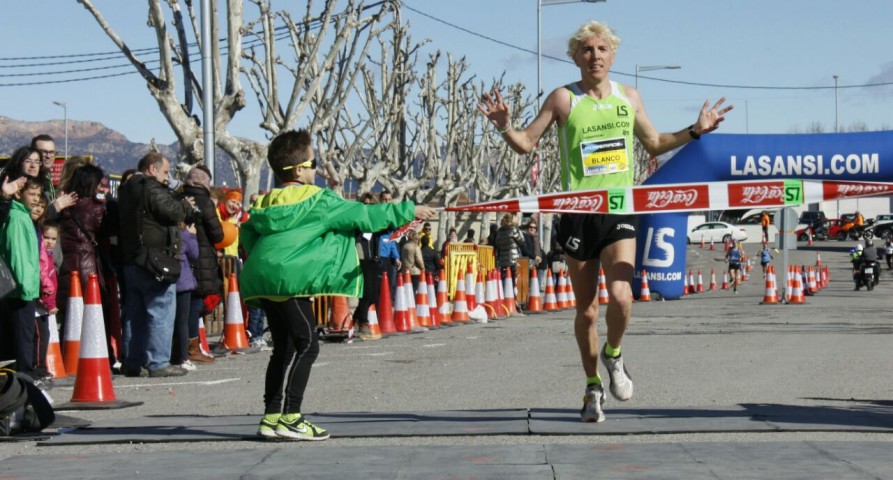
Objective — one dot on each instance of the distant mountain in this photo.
(112, 150)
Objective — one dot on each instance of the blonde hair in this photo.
(508, 219)
(592, 29)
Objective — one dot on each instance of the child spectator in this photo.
(19, 249)
(46, 305)
(300, 244)
(185, 285)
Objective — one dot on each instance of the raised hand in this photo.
(11, 187)
(710, 117)
(495, 109)
(64, 201)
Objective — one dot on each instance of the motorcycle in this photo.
(866, 274)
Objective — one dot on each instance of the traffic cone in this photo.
(341, 317)
(385, 311)
(797, 295)
(501, 307)
(771, 295)
(480, 291)
(551, 301)
(423, 307)
(93, 383)
(725, 280)
(570, 293)
(401, 314)
(203, 338)
(789, 283)
(685, 288)
(470, 289)
(563, 302)
(534, 299)
(460, 307)
(743, 273)
(703, 245)
(818, 259)
(432, 302)
(509, 293)
(409, 297)
(692, 288)
(74, 314)
(234, 336)
(712, 247)
(712, 280)
(491, 298)
(700, 282)
(813, 284)
(809, 234)
(55, 363)
(444, 309)
(804, 282)
(603, 297)
(374, 327)
(644, 291)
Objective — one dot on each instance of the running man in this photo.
(597, 119)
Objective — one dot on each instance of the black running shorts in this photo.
(584, 236)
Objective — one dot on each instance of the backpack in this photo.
(23, 406)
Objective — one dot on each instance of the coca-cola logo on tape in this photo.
(856, 189)
(671, 198)
(756, 194)
(576, 202)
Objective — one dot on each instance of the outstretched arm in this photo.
(500, 115)
(656, 143)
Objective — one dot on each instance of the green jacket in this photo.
(18, 246)
(300, 242)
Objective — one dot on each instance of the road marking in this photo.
(431, 345)
(209, 382)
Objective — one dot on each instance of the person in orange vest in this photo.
(764, 221)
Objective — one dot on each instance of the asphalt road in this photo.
(712, 349)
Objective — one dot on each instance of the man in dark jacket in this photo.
(149, 223)
(208, 232)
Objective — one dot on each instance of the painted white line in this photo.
(432, 345)
(210, 382)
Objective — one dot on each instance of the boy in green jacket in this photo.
(300, 244)
(19, 249)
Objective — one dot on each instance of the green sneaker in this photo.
(267, 427)
(296, 426)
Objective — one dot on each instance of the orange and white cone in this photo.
(374, 327)
(603, 296)
(460, 307)
(470, 289)
(813, 285)
(771, 295)
(534, 299)
(93, 383)
(797, 295)
(423, 307)
(809, 234)
(551, 301)
(385, 312)
(712, 280)
(409, 296)
(563, 301)
(74, 314)
(691, 283)
(432, 302)
(55, 364)
(401, 315)
(725, 280)
(789, 283)
(712, 247)
(444, 310)
(509, 293)
(645, 292)
(570, 293)
(480, 290)
(700, 282)
(685, 288)
(491, 299)
(203, 337)
(818, 259)
(234, 335)
(704, 245)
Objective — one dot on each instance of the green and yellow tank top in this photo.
(596, 141)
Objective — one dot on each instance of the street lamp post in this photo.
(648, 68)
(64, 106)
(539, 73)
(836, 117)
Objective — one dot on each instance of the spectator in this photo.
(389, 250)
(79, 235)
(452, 237)
(20, 251)
(508, 244)
(231, 211)
(46, 147)
(412, 258)
(208, 276)
(290, 261)
(469, 237)
(532, 248)
(491, 237)
(427, 237)
(555, 258)
(368, 249)
(149, 218)
(186, 284)
(49, 284)
(431, 260)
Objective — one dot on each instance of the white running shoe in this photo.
(621, 382)
(593, 401)
(187, 365)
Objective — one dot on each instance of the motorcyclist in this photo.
(859, 256)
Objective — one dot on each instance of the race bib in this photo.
(604, 156)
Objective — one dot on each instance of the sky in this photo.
(788, 50)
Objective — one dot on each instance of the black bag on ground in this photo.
(7, 281)
(23, 407)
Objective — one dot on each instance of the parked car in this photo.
(812, 217)
(831, 228)
(883, 227)
(716, 232)
(753, 226)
